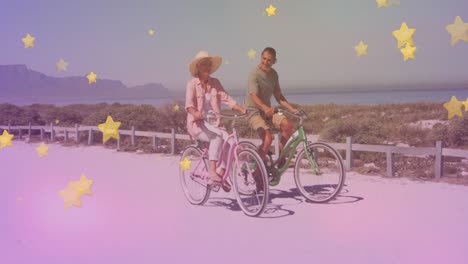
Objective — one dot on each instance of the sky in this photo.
(314, 40)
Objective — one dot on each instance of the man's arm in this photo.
(258, 103)
(281, 100)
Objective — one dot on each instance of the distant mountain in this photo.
(19, 81)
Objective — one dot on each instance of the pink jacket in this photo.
(195, 97)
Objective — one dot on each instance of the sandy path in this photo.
(138, 214)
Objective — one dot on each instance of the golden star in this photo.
(5, 140)
(185, 164)
(109, 129)
(61, 65)
(252, 53)
(458, 30)
(361, 49)
(465, 103)
(42, 150)
(382, 3)
(408, 52)
(271, 10)
(83, 186)
(28, 41)
(454, 107)
(91, 77)
(404, 35)
(70, 197)
(176, 108)
(57, 121)
(151, 32)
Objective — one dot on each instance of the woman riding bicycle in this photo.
(204, 93)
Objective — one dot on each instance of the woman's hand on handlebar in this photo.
(197, 115)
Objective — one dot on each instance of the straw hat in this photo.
(216, 60)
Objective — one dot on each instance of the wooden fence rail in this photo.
(438, 151)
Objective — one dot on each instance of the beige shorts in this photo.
(257, 121)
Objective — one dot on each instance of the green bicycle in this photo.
(318, 170)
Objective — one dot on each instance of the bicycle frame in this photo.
(290, 149)
(230, 154)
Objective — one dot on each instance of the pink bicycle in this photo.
(244, 167)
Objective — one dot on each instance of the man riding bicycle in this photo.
(262, 84)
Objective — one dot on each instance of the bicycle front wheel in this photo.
(319, 173)
(250, 182)
(195, 190)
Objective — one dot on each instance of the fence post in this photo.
(349, 153)
(19, 133)
(172, 141)
(77, 134)
(42, 134)
(90, 136)
(133, 136)
(29, 131)
(118, 141)
(66, 136)
(390, 163)
(276, 145)
(155, 139)
(439, 160)
(52, 136)
(9, 129)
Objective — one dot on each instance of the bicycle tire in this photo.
(330, 168)
(261, 191)
(188, 183)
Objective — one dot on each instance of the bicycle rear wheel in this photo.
(250, 182)
(195, 190)
(320, 175)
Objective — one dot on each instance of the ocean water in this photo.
(312, 98)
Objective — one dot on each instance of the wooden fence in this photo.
(438, 151)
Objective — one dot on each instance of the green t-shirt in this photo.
(263, 85)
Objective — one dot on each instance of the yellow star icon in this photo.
(408, 52)
(61, 65)
(458, 30)
(91, 77)
(83, 186)
(361, 49)
(176, 108)
(42, 150)
(28, 41)
(151, 32)
(454, 107)
(251, 54)
(404, 35)
(110, 129)
(5, 140)
(185, 164)
(465, 103)
(70, 197)
(271, 10)
(382, 3)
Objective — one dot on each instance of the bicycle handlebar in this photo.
(235, 116)
(301, 114)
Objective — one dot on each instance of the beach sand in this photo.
(138, 214)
